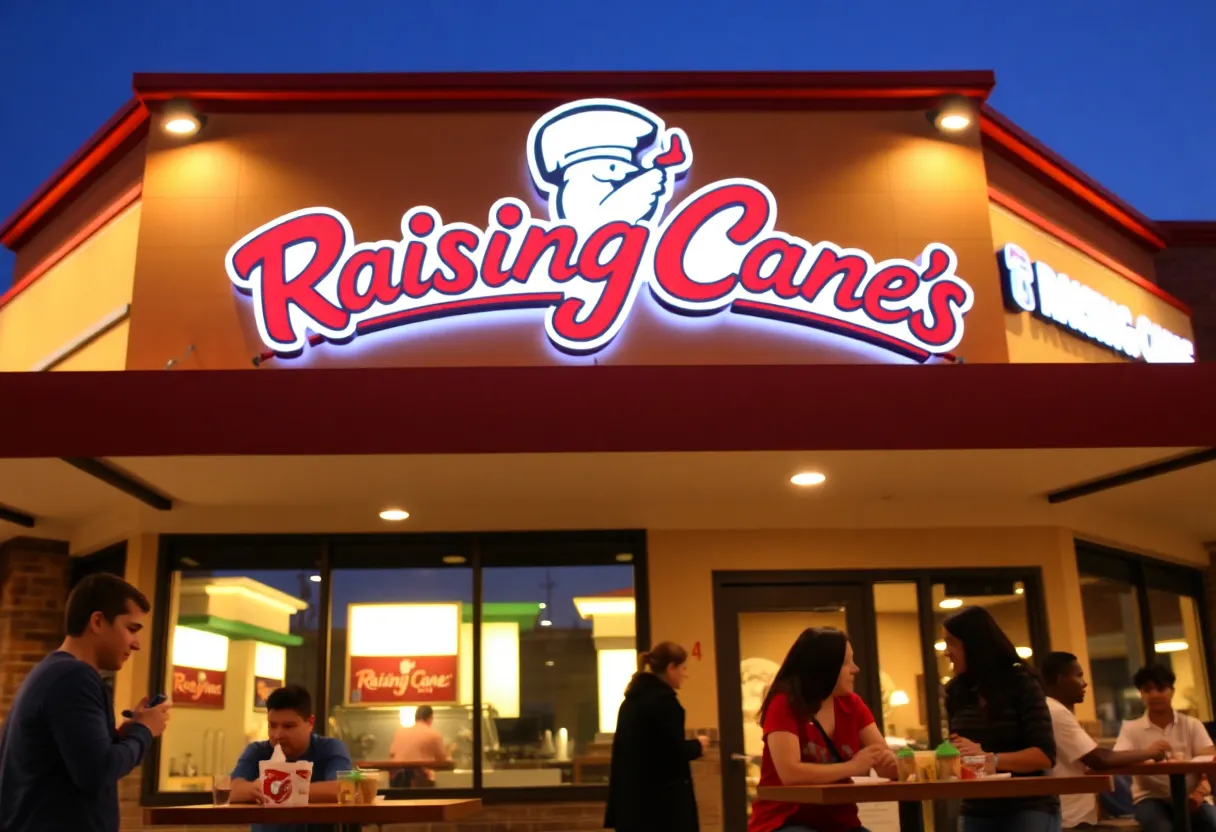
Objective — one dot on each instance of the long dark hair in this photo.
(810, 671)
(660, 657)
(991, 659)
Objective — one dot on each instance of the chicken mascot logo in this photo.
(600, 161)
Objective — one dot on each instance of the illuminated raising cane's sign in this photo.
(607, 170)
(1035, 287)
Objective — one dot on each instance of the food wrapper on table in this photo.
(284, 783)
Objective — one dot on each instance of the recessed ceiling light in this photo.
(808, 478)
(453, 559)
(1019, 589)
(543, 605)
(549, 663)
(950, 603)
(624, 558)
(1170, 646)
(316, 579)
(546, 623)
(394, 515)
(1024, 652)
(940, 646)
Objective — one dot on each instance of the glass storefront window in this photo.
(1112, 635)
(1138, 611)
(901, 668)
(402, 640)
(559, 646)
(1005, 600)
(380, 629)
(1178, 644)
(235, 637)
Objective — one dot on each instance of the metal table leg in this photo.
(1178, 798)
(911, 817)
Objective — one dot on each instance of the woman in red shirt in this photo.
(816, 730)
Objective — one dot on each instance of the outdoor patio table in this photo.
(909, 796)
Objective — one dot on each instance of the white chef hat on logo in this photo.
(601, 130)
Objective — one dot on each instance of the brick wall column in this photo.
(1189, 273)
(33, 592)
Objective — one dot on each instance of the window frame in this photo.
(329, 552)
(1143, 573)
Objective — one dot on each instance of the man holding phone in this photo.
(61, 754)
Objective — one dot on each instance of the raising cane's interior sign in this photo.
(607, 169)
(195, 688)
(397, 680)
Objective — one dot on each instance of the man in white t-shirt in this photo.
(1076, 751)
(1188, 739)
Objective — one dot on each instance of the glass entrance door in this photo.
(754, 627)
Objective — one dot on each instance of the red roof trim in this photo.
(494, 86)
(594, 409)
(905, 89)
(1048, 227)
(1190, 233)
(1007, 136)
(124, 201)
(92, 155)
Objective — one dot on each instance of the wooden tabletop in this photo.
(1163, 768)
(393, 765)
(894, 792)
(385, 811)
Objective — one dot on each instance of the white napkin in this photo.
(278, 756)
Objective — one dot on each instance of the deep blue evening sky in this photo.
(1121, 88)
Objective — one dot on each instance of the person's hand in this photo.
(887, 766)
(1159, 750)
(704, 740)
(247, 791)
(965, 746)
(1195, 799)
(154, 719)
(867, 758)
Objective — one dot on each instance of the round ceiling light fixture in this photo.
(954, 114)
(181, 119)
(806, 479)
(394, 515)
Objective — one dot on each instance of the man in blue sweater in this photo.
(61, 756)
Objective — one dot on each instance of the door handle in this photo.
(740, 758)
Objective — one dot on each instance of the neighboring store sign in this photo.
(607, 169)
(262, 688)
(194, 688)
(402, 680)
(1035, 287)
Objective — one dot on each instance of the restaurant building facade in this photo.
(458, 390)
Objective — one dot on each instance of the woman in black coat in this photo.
(650, 785)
